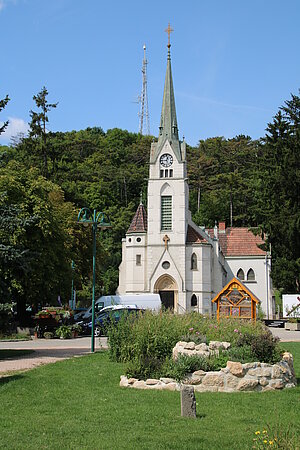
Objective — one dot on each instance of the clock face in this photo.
(166, 160)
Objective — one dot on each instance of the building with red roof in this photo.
(165, 252)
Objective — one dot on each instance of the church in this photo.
(165, 252)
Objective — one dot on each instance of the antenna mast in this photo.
(144, 127)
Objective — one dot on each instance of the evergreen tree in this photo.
(3, 103)
(38, 125)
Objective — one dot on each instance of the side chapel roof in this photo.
(239, 242)
(139, 221)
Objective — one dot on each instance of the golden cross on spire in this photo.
(169, 31)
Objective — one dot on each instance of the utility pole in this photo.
(144, 126)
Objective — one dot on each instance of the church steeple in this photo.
(168, 129)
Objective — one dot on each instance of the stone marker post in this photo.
(188, 401)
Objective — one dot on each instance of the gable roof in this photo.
(139, 221)
(242, 287)
(193, 236)
(239, 242)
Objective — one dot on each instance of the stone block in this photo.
(152, 381)
(190, 346)
(202, 388)
(213, 379)
(171, 387)
(247, 385)
(236, 368)
(167, 380)
(199, 373)
(247, 366)
(202, 347)
(140, 384)
(263, 381)
(260, 372)
(215, 345)
(132, 380)
(267, 388)
(277, 371)
(124, 381)
(277, 384)
(226, 345)
(231, 381)
(188, 402)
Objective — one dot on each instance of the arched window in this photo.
(194, 262)
(194, 300)
(241, 274)
(250, 275)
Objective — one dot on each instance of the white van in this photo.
(143, 301)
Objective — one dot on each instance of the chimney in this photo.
(222, 227)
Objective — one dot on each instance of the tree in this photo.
(38, 125)
(278, 198)
(3, 103)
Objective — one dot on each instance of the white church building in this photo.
(165, 252)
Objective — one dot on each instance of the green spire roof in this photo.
(168, 129)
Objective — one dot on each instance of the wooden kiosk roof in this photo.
(242, 288)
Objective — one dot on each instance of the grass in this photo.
(15, 337)
(77, 404)
(11, 354)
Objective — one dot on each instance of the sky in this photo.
(234, 62)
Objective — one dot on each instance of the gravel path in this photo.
(46, 352)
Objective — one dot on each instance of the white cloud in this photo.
(14, 127)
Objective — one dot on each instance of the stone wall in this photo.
(235, 377)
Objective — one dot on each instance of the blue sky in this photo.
(234, 62)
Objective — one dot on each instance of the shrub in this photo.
(64, 332)
(264, 347)
(241, 354)
(48, 335)
(186, 364)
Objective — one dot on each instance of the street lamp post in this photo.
(72, 292)
(97, 220)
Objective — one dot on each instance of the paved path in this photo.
(46, 351)
(52, 350)
(286, 336)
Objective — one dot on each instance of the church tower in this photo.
(164, 252)
(167, 201)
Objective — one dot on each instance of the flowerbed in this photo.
(145, 344)
(252, 376)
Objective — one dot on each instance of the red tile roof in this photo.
(239, 242)
(193, 236)
(139, 221)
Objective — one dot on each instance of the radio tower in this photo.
(144, 127)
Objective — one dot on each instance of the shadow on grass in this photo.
(8, 378)
(12, 354)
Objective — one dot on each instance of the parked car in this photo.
(110, 315)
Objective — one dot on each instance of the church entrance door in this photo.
(167, 288)
(167, 299)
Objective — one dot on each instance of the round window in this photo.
(165, 264)
(129, 239)
(138, 239)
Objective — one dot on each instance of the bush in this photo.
(264, 347)
(48, 335)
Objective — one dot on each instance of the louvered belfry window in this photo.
(166, 212)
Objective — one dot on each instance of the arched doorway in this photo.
(166, 287)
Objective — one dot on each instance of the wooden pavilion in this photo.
(237, 301)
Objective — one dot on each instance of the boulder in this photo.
(236, 368)
(247, 385)
(213, 379)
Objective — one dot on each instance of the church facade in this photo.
(165, 252)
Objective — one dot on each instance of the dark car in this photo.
(105, 318)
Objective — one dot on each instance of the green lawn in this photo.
(77, 404)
